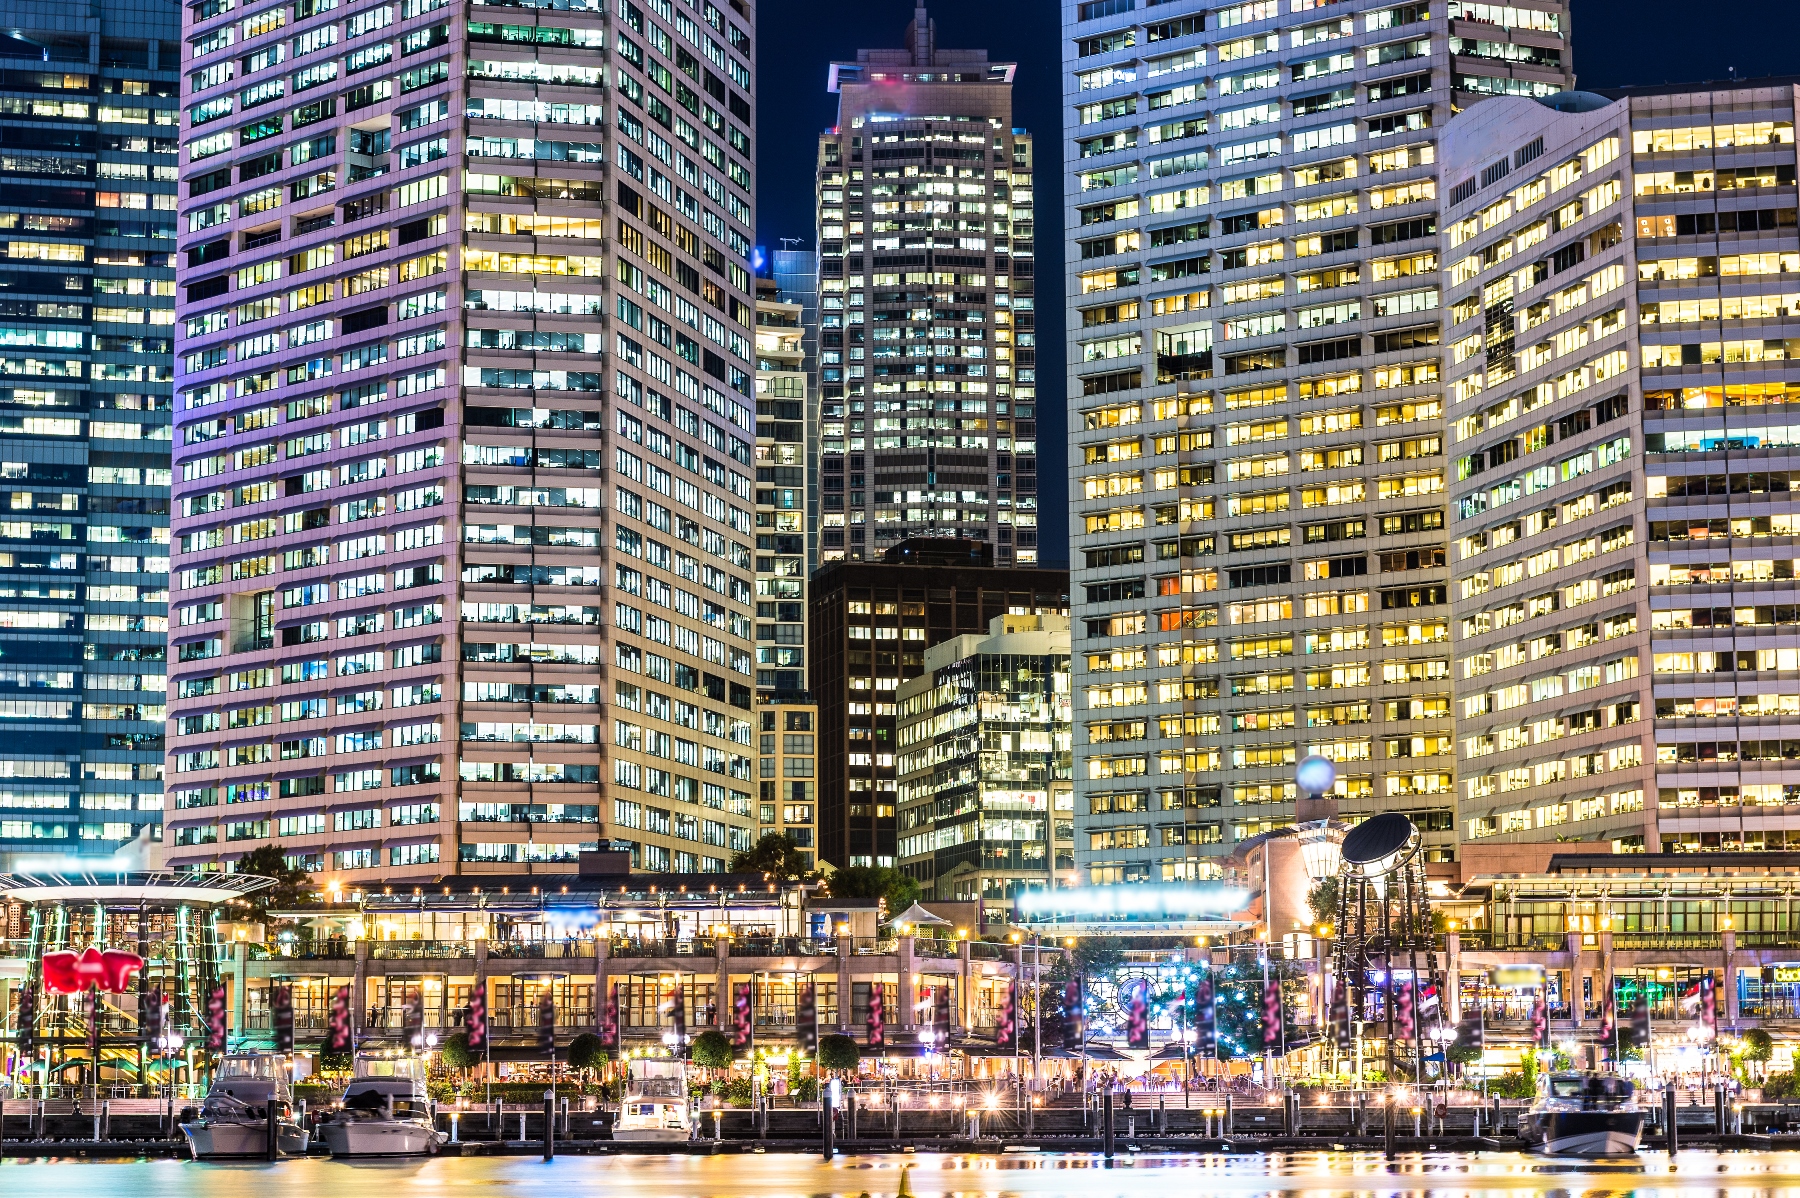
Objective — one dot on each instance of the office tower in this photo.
(871, 623)
(785, 714)
(1619, 269)
(796, 275)
(927, 378)
(1256, 408)
(87, 199)
(986, 807)
(427, 535)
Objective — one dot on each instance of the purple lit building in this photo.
(462, 561)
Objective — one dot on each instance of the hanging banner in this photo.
(1206, 1020)
(1074, 1016)
(876, 1025)
(1137, 1015)
(674, 1008)
(281, 1016)
(1006, 1020)
(1271, 1015)
(807, 1018)
(547, 1022)
(1341, 1023)
(940, 1015)
(340, 1038)
(1405, 1019)
(217, 1032)
(609, 1018)
(742, 1016)
(26, 1013)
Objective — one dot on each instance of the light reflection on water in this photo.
(1045, 1175)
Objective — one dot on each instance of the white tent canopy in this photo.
(917, 915)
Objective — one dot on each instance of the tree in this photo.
(711, 1049)
(1758, 1045)
(1322, 899)
(774, 854)
(335, 1062)
(876, 881)
(587, 1052)
(458, 1054)
(838, 1053)
(293, 886)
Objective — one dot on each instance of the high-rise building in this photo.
(1256, 408)
(428, 536)
(1619, 279)
(796, 275)
(927, 375)
(986, 808)
(871, 623)
(87, 298)
(782, 475)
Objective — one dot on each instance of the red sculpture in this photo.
(72, 973)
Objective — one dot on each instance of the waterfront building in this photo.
(88, 97)
(1616, 305)
(1259, 542)
(985, 806)
(871, 623)
(927, 365)
(435, 516)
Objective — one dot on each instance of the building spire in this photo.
(923, 36)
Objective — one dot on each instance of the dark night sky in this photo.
(1616, 42)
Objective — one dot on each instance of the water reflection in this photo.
(1037, 1175)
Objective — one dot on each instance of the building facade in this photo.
(1617, 307)
(927, 371)
(1256, 409)
(871, 623)
(466, 436)
(986, 806)
(796, 276)
(88, 115)
(783, 476)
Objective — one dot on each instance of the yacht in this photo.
(1583, 1114)
(234, 1119)
(385, 1111)
(655, 1107)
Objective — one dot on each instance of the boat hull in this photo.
(653, 1135)
(379, 1137)
(213, 1140)
(1591, 1133)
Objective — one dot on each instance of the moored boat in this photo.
(233, 1122)
(1583, 1114)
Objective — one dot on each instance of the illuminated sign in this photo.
(1517, 975)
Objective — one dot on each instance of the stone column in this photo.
(240, 982)
(966, 989)
(721, 982)
(845, 982)
(1453, 977)
(909, 997)
(1730, 982)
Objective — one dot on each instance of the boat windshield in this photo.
(657, 1087)
(1566, 1087)
(405, 1068)
(265, 1068)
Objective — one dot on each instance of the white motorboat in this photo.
(234, 1119)
(1583, 1114)
(385, 1111)
(655, 1107)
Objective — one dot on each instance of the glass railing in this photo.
(411, 950)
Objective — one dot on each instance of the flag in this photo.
(1271, 1015)
(1074, 1017)
(609, 1019)
(338, 1037)
(1405, 1017)
(1006, 1022)
(27, 1015)
(876, 1025)
(413, 1017)
(547, 1022)
(477, 1015)
(150, 1020)
(1137, 1016)
(742, 1018)
(281, 1015)
(1341, 1024)
(216, 1024)
(807, 1017)
(1206, 1025)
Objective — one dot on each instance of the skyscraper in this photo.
(927, 378)
(1620, 272)
(1260, 551)
(87, 298)
(435, 519)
